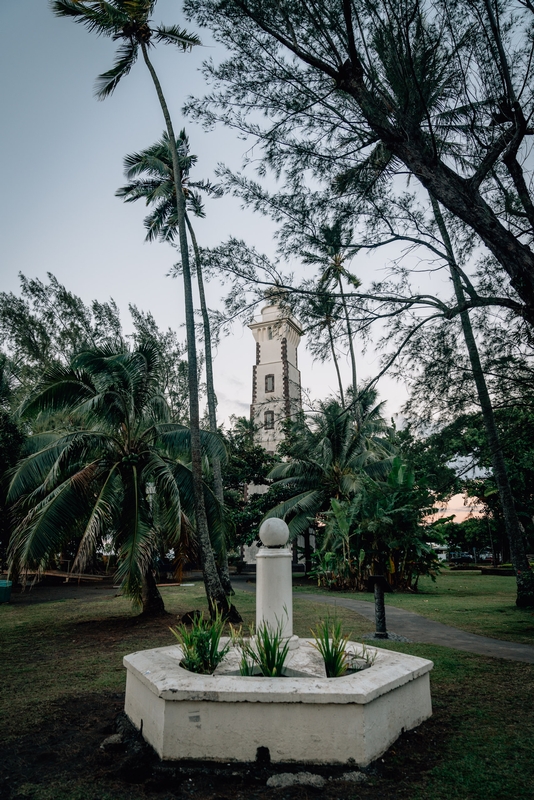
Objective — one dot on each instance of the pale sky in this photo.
(62, 163)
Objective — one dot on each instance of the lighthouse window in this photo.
(269, 383)
(269, 332)
(268, 420)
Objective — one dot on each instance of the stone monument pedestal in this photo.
(303, 717)
(274, 594)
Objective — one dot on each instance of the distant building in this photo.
(276, 390)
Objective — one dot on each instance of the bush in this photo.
(332, 646)
(331, 642)
(267, 652)
(200, 644)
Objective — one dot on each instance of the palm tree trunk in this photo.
(222, 564)
(351, 346)
(152, 600)
(216, 596)
(329, 326)
(523, 572)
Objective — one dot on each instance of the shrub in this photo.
(267, 652)
(331, 642)
(200, 644)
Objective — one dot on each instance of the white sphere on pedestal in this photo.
(274, 532)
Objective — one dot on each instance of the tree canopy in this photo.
(120, 472)
(327, 457)
(359, 91)
(47, 324)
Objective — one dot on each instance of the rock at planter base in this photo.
(113, 742)
(352, 777)
(295, 779)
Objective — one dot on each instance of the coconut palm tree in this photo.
(156, 187)
(330, 252)
(327, 458)
(129, 22)
(119, 473)
(322, 311)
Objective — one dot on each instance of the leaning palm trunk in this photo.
(217, 598)
(222, 565)
(523, 572)
(151, 598)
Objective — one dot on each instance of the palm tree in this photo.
(322, 312)
(330, 251)
(156, 187)
(328, 457)
(128, 21)
(116, 474)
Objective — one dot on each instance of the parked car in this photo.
(461, 558)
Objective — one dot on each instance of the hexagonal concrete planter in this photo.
(304, 717)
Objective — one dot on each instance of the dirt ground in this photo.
(66, 751)
(63, 757)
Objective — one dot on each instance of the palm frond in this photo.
(38, 441)
(195, 204)
(61, 388)
(136, 539)
(158, 408)
(162, 222)
(212, 189)
(106, 83)
(100, 519)
(106, 19)
(307, 502)
(47, 526)
(176, 439)
(147, 189)
(184, 481)
(167, 503)
(155, 162)
(290, 471)
(172, 34)
(31, 471)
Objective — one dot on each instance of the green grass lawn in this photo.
(481, 733)
(477, 746)
(483, 604)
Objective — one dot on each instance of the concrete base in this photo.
(304, 717)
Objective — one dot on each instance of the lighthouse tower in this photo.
(276, 393)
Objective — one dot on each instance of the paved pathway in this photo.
(420, 629)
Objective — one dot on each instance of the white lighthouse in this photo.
(276, 391)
